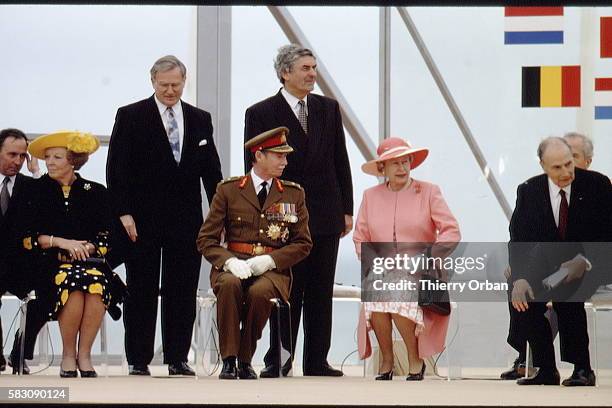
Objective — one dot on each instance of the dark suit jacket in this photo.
(16, 274)
(320, 163)
(589, 220)
(146, 182)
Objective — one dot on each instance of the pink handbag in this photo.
(364, 347)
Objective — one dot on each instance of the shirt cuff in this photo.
(589, 265)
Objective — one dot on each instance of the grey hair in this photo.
(587, 143)
(286, 57)
(167, 63)
(551, 140)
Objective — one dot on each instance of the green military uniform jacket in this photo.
(281, 224)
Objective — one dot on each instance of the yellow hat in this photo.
(75, 141)
(274, 140)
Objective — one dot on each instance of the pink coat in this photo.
(422, 216)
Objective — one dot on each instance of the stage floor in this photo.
(353, 389)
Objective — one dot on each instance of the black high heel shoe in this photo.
(388, 376)
(68, 373)
(87, 373)
(417, 377)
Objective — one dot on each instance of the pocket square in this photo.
(203, 142)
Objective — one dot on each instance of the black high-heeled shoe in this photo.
(417, 377)
(388, 376)
(87, 373)
(68, 373)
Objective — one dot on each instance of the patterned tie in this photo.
(4, 195)
(563, 212)
(302, 117)
(263, 193)
(173, 135)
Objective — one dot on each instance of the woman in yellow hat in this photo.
(68, 230)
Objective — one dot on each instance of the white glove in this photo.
(238, 268)
(261, 264)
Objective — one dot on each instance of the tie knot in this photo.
(6, 180)
(562, 193)
(301, 103)
(264, 184)
(170, 111)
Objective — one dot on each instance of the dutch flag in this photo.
(533, 25)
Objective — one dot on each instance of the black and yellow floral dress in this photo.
(80, 212)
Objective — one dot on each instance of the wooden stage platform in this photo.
(353, 389)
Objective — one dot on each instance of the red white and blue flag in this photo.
(603, 98)
(533, 25)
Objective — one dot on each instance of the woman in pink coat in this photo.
(403, 209)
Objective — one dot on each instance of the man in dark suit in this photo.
(568, 207)
(16, 274)
(582, 152)
(159, 150)
(321, 166)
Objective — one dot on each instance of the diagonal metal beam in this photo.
(384, 73)
(452, 105)
(293, 32)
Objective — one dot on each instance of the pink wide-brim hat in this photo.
(393, 148)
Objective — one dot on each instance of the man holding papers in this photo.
(556, 213)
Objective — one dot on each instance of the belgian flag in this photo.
(551, 87)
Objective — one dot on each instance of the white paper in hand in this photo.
(556, 278)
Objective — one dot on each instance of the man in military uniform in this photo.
(266, 232)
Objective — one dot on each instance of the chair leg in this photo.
(23, 308)
(591, 312)
(104, 347)
(528, 360)
(280, 326)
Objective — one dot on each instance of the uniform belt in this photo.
(249, 249)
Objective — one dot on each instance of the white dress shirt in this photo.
(555, 198)
(258, 180)
(178, 115)
(294, 103)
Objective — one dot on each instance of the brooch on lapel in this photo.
(87, 186)
(203, 142)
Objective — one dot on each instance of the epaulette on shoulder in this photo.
(291, 184)
(229, 179)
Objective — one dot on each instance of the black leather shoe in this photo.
(269, 372)
(14, 363)
(543, 377)
(324, 371)
(517, 371)
(2, 362)
(418, 376)
(246, 372)
(139, 369)
(180, 369)
(580, 378)
(229, 370)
